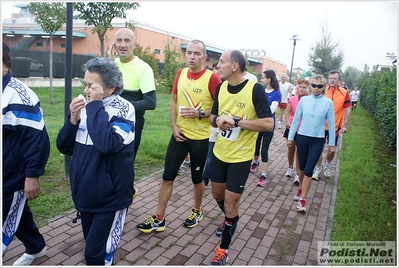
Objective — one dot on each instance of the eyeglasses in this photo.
(318, 86)
(85, 84)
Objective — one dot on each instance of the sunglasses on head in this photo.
(318, 86)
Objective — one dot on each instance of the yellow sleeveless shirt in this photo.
(236, 145)
(195, 94)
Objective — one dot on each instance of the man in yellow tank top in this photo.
(240, 110)
(192, 97)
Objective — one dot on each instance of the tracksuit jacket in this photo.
(101, 146)
(26, 145)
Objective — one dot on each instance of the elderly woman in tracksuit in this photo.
(99, 135)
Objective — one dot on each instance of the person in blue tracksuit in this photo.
(99, 135)
(26, 148)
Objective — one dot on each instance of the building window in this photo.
(157, 51)
(62, 45)
(39, 44)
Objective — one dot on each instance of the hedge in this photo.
(378, 95)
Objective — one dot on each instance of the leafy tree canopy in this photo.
(101, 14)
(50, 16)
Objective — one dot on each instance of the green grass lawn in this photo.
(366, 198)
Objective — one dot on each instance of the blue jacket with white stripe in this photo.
(26, 145)
(102, 148)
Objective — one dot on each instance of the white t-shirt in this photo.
(354, 95)
(250, 76)
(284, 91)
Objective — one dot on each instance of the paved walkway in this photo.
(270, 230)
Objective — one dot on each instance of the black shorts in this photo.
(177, 151)
(354, 103)
(234, 174)
(285, 135)
(336, 137)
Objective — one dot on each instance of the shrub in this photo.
(378, 95)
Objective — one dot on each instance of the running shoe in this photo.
(186, 164)
(296, 180)
(151, 224)
(327, 169)
(180, 172)
(220, 228)
(279, 125)
(301, 205)
(195, 217)
(254, 167)
(290, 172)
(316, 174)
(262, 181)
(27, 259)
(220, 257)
(297, 197)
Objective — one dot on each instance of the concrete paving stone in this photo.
(159, 261)
(270, 231)
(303, 246)
(142, 262)
(153, 253)
(189, 249)
(253, 243)
(309, 227)
(178, 260)
(151, 242)
(136, 254)
(74, 260)
(54, 260)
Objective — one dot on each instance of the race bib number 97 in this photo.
(230, 134)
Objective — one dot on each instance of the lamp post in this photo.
(295, 38)
(318, 60)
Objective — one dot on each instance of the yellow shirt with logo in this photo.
(236, 145)
(195, 94)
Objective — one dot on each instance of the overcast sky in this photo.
(366, 30)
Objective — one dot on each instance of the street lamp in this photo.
(318, 60)
(295, 38)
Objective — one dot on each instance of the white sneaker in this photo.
(327, 170)
(316, 174)
(301, 206)
(296, 180)
(279, 125)
(289, 172)
(27, 259)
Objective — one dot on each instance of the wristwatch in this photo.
(236, 120)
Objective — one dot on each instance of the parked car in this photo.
(34, 65)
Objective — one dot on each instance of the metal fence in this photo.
(30, 63)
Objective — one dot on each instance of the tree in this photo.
(101, 14)
(171, 66)
(328, 51)
(390, 56)
(351, 76)
(50, 16)
(147, 56)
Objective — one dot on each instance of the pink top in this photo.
(293, 101)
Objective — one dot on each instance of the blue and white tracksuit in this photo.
(102, 173)
(26, 148)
